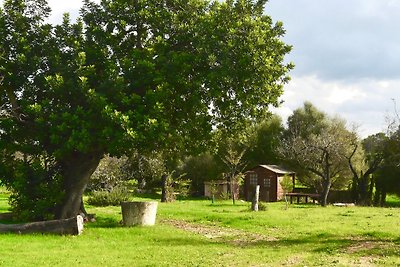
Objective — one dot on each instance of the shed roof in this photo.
(277, 169)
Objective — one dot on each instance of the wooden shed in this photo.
(268, 177)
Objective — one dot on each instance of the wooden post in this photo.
(71, 226)
(139, 213)
(254, 205)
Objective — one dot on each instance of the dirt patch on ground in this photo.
(365, 245)
(365, 261)
(372, 250)
(218, 233)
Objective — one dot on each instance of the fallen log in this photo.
(71, 226)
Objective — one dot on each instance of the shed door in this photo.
(267, 188)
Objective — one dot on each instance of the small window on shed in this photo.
(253, 178)
(267, 182)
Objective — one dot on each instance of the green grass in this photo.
(198, 233)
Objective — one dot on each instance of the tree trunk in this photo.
(377, 196)
(233, 196)
(164, 193)
(325, 192)
(71, 226)
(234, 188)
(382, 201)
(354, 189)
(77, 170)
(82, 209)
(254, 205)
(286, 202)
(371, 190)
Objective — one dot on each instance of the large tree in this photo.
(316, 146)
(128, 74)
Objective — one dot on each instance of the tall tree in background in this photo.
(265, 138)
(232, 158)
(128, 74)
(387, 176)
(201, 168)
(364, 160)
(315, 145)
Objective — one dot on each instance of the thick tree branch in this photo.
(349, 159)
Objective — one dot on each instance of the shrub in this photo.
(109, 198)
(262, 206)
(175, 186)
(38, 201)
(225, 195)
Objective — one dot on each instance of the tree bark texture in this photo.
(254, 204)
(164, 192)
(139, 213)
(326, 179)
(77, 170)
(325, 191)
(71, 226)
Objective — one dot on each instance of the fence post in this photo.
(254, 205)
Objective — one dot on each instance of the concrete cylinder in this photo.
(139, 213)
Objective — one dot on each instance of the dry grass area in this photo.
(218, 233)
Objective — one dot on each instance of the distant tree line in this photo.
(323, 151)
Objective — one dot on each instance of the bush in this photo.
(175, 187)
(262, 206)
(109, 198)
(35, 185)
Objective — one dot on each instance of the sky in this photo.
(346, 53)
(347, 57)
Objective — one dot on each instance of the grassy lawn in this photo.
(198, 233)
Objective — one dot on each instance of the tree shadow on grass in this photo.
(332, 244)
(104, 222)
(369, 244)
(216, 204)
(392, 204)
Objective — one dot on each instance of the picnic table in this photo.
(314, 197)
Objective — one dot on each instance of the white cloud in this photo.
(60, 7)
(364, 102)
(341, 95)
(341, 39)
